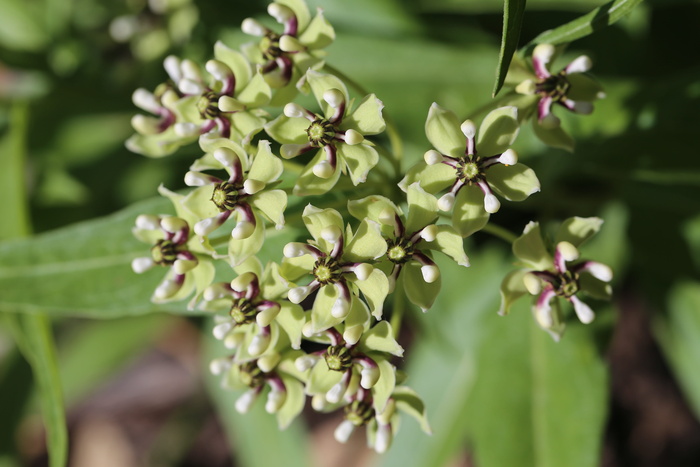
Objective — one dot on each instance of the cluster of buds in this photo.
(311, 321)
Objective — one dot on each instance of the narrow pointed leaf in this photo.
(513, 12)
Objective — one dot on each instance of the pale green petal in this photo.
(198, 203)
(555, 137)
(380, 338)
(271, 204)
(375, 289)
(317, 219)
(242, 354)
(443, 131)
(498, 131)
(158, 145)
(209, 143)
(371, 207)
(577, 230)
(287, 130)
(180, 210)
(450, 243)
(359, 158)
(294, 268)
(309, 184)
(236, 61)
(595, 287)
(512, 288)
(257, 93)
(583, 88)
(367, 117)
(386, 383)
(518, 71)
(531, 249)
(206, 162)
(321, 317)
(293, 404)
(266, 167)
(287, 365)
(420, 293)
(300, 10)
(513, 182)
(291, 319)
(358, 315)
(322, 82)
(410, 403)
(186, 109)
(432, 178)
(367, 244)
(422, 208)
(251, 264)
(272, 284)
(321, 379)
(240, 250)
(319, 34)
(469, 215)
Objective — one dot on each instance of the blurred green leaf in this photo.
(442, 364)
(513, 13)
(82, 270)
(21, 26)
(603, 16)
(90, 352)
(545, 401)
(679, 335)
(254, 437)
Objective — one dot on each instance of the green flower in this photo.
(285, 57)
(225, 101)
(342, 368)
(337, 135)
(410, 240)
(176, 249)
(571, 88)
(282, 382)
(472, 177)
(338, 264)
(244, 194)
(554, 270)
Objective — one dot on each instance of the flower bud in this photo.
(229, 104)
(253, 27)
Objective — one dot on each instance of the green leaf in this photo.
(251, 435)
(547, 402)
(513, 13)
(83, 269)
(678, 333)
(600, 17)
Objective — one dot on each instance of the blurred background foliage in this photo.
(623, 391)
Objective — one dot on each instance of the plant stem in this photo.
(500, 232)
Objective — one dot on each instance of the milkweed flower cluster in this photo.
(309, 318)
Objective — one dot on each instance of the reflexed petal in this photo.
(422, 208)
(287, 130)
(241, 249)
(583, 88)
(236, 61)
(512, 288)
(419, 292)
(469, 215)
(531, 250)
(432, 178)
(367, 117)
(272, 205)
(498, 131)
(293, 404)
(322, 82)
(515, 182)
(360, 159)
(380, 338)
(316, 220)
(321, 317)
(371, 207)
(266, 167)
(443, 131)
(309, 184)
(450, 243)
(555, 137)
(367, 243)
(375, 289)
(577, 230)
(256, 94)
(410, 403)
(319, 34)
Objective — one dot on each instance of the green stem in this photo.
(399, 308)
(500, 232)
(391, 130)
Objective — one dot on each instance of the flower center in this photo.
(568, 285)
(251, 375)
(338, 358)
(469, 169)
(208, 105)
(164, 253)
(327, 270)
(226, 196)
(270, 46)
(399, 250)
(321, 132)
(555, 86)
(359, 412)
(242, 311)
